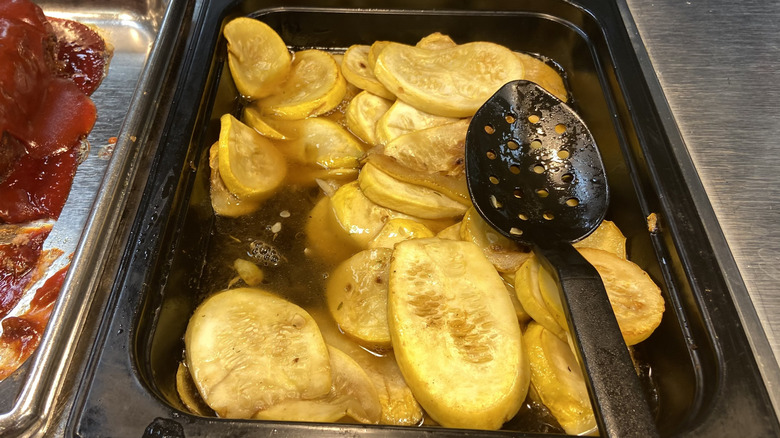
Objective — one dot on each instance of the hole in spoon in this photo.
(490, 129)
(493, 179)
(516, 231)
(512, 145)
(536, 144)
(510, 118)
(542, 193)
(514, 169)
(572, 202)
(522, 217)
(548, 216)
(533, 118)
(560, 128)
(567, 178)
(491, 154)
(563, 154)
(518, 193)
(539, 169)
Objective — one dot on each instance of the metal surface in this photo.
(86, 225)
(718, 63)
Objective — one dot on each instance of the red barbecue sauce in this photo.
(48, 67)
(21, 334)
(18, 260)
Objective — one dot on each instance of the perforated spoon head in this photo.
(532, 166)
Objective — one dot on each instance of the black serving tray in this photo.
(708, 382)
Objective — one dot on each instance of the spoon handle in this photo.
(615, 391)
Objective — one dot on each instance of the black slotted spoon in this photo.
(535, 174)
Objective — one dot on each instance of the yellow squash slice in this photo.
(314, 86)
(503, 253)
(545, 76)
(258, 58)
(356, 71)
(440, 149)
(530, 296)
(253, 117)
(455, 334)
(325, 236)
(399, 406)
(357, 297)
(558, 381)
(359, 216)
(635, 298)
(398, 230)
(352, 394)
(451, 82)
(249, 164)
(435, 41)
(607, 237)
(248, 349)
(374, 51)
(320, 142)
(411, 199)
(223, 201)
(363, 112)
(402, 118)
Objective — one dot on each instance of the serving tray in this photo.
(707, 380)
(30, 398)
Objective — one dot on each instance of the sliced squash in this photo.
(557, 379)
(352, 394)
(451, 82)
(258, 58)
(450, 317)
(411, 199)
(314, 86)
(402, 118)
(247, 349)
(357, 71)
(357, 296)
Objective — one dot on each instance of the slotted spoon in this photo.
(535, 174)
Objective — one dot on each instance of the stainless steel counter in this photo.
(718, 63)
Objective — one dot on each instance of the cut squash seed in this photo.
(451, 82)
(249, 164)
(314, 86)
(258, 58)
(450, 317)
(357, 297)
(356, 71)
